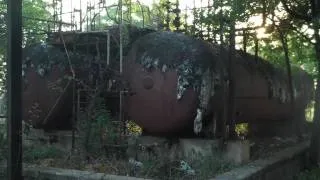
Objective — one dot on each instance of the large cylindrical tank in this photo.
(48, 86)
(47, 93)
(176, 81)
(166, 72)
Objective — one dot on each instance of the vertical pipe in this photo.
(80, 15)
(108, 48)
(78, 104)
(224, 113)
(130, 9)
(74, 115)
(120, 35)
(60, 24)
(14, 89)
(121, 59)
(231, 104)
(54, 14)
(87, 16)
(71, 15)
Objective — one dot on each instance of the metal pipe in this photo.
(80, 16)
(120, 31)
(46, 20)
(14, 25)
(121, 53)
(121, 105)
(91, 32)
(108, 48)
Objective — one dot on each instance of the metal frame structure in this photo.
(15, 89)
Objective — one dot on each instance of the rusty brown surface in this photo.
(156, 109)
(154, 105)
(47, 101)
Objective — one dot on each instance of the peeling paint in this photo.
(202, 68)
(197, 126)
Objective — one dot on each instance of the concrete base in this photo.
(285, 164)
(238, 151)
(191, 147)
(147, 148)
(32, 172)
(61, 139)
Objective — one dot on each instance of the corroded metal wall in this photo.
(47, 78)
(47, 93)
(176, 81)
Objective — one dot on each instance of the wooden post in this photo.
(14, 87)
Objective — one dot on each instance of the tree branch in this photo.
(295, 14)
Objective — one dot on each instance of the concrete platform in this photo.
(284, 165)
(238, 151)
(37, 172)
(147, 148)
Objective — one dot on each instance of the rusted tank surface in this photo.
(262, 92)
(176, 85)
(47, 78)
(166, 79)
(47, 93)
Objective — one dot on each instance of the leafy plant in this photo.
(32, 154)
(313, 174)
(242, 129)
(3, 141)
(133, 128)
(100, 129)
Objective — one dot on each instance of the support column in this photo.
(14, 84)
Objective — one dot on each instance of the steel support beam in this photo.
(14, 87)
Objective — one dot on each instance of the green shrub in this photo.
(32, 154)
(3, 142)
(313, 174)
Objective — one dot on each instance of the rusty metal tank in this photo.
(176, 85)
(47, 78)
(165, 76)
(262, 90)
(47, 93)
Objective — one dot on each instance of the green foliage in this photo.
(313, 174)
(204, 167)
(134, 13)
(33, 30)
(242, 129)
(207, 167)
(32, 154)
(100, 130)
(301, 51)
(3, 141)
(310, 112)
(133, 128)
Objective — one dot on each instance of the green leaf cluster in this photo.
(34, 31)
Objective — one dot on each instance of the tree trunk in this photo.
(256, 47)
(315, 139)
(245, 39)
(290, 83)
